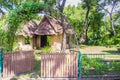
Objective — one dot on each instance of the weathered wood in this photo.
(59, 65)
(17, 62)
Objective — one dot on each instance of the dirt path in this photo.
(98, 49)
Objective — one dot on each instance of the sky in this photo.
(72, 2)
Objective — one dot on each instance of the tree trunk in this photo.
(84, 36)
(63, 46)
(61, 8)
(112, 25)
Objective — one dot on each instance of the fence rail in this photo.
(59, 65)
(106, 57)
(17, 62)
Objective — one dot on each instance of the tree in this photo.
(23, 13)
(60, 6)
(75, 15)
(12, 4)
(27, 11)
(88, 5)
(114, 5)
(95, 26)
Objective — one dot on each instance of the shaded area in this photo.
(100, 64)
(59, 65)
(13, 79)
(111, 51)
(17, 63)
(37, 66)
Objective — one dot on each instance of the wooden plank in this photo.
(59, 65)
(14, 63)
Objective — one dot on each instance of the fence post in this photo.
(79, 64)
(1, 64)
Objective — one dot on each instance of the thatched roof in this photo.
(28, 28)
(47, 26)
(50, 26)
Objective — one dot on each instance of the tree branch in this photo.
(113, 6)
(61, 6)
(1, 11)
(103, 8)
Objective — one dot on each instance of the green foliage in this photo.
(46, 49)
(93, 66)
(27, 40)
(97, 66)
(76, 16)
(50, 2)
(37, 62)
(23, 13)
(48, 40)
(99, 30)
(114, 66)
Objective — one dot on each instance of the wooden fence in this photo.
(59, 65)
(17, 62)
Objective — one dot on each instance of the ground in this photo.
(97, 49)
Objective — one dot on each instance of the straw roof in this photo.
(50, 26)
(28, 28)
(47, 26)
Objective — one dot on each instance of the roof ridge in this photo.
(47, 17)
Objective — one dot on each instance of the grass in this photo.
(37, 62)
(97, 66)
(83, 46)
(111, 53)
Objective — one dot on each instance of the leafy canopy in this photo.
(24, 12)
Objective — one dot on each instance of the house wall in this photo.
(55, 41)
(21, 44)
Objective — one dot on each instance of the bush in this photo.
(93, 66)
(46, 49)
(97, 66)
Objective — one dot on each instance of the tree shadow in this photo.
(59, 66)
(17, 63)
(13, 79)
(111, 51)
(37, 63)
(50, 63)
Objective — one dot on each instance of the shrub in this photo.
(46, 49)
(93, 66)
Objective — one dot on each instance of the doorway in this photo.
(43, 41)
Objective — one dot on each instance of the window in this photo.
(27, 40)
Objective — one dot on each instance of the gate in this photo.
(59, 65)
